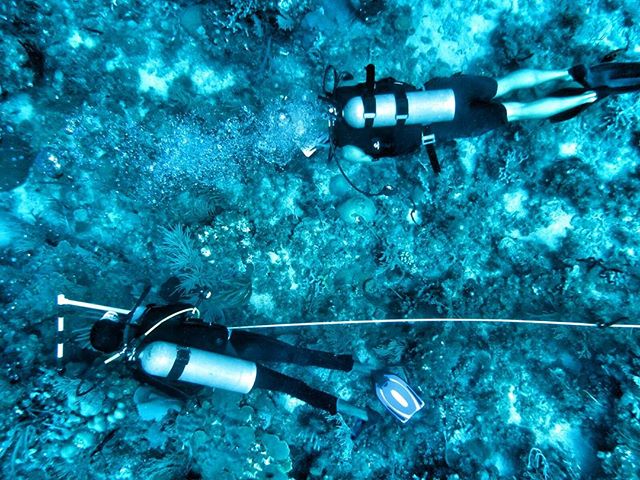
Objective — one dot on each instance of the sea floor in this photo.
(159, 143)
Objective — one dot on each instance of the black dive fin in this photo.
(608, 78)
(568, 92)
(569, 114)
(574, 112)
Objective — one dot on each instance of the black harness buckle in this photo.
(429, 141)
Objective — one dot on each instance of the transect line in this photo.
(428, 320)
(62, 300)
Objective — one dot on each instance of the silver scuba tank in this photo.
(425, 107)
(192, 365)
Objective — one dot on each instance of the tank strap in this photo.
(369, 103)
(370, 81)
(183, 355)
(368, 96)
(402, 106)
(429, 141)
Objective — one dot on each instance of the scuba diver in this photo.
(171, 348)
(385, 118)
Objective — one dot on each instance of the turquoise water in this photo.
(159, 143)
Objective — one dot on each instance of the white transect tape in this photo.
(115, 356)
(193, 310)
(429, 320)
(62, 300)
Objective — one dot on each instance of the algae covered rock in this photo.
(357, 209)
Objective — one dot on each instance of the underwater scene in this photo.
(319, 239)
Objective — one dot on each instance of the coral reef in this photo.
(159, 142)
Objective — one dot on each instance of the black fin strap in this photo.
(182, 359)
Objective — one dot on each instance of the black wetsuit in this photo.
(245, 345)
(475, 113)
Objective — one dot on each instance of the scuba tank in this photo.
(385, 118)
(192, 365)
(389, 110)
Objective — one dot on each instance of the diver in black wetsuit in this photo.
(177, 352)
(386, 118)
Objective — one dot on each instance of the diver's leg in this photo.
(347, 409)
(547, 107)
(268, 379)
(528, 78)
(256, 347)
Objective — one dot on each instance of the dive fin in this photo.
(608, 78)
(569, 114)
(397, 396)
(573, 112)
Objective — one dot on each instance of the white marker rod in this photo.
(428, 320)
(60, 347)
(62, 300)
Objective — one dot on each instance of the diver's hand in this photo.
(352, 153)
(321, 141)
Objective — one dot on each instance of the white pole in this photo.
(62, 300)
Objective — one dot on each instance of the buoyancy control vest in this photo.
(386, 117)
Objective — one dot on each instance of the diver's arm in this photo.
(351, 153)
(174, 389)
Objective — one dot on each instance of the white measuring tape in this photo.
(62, 300)
(429, 320)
